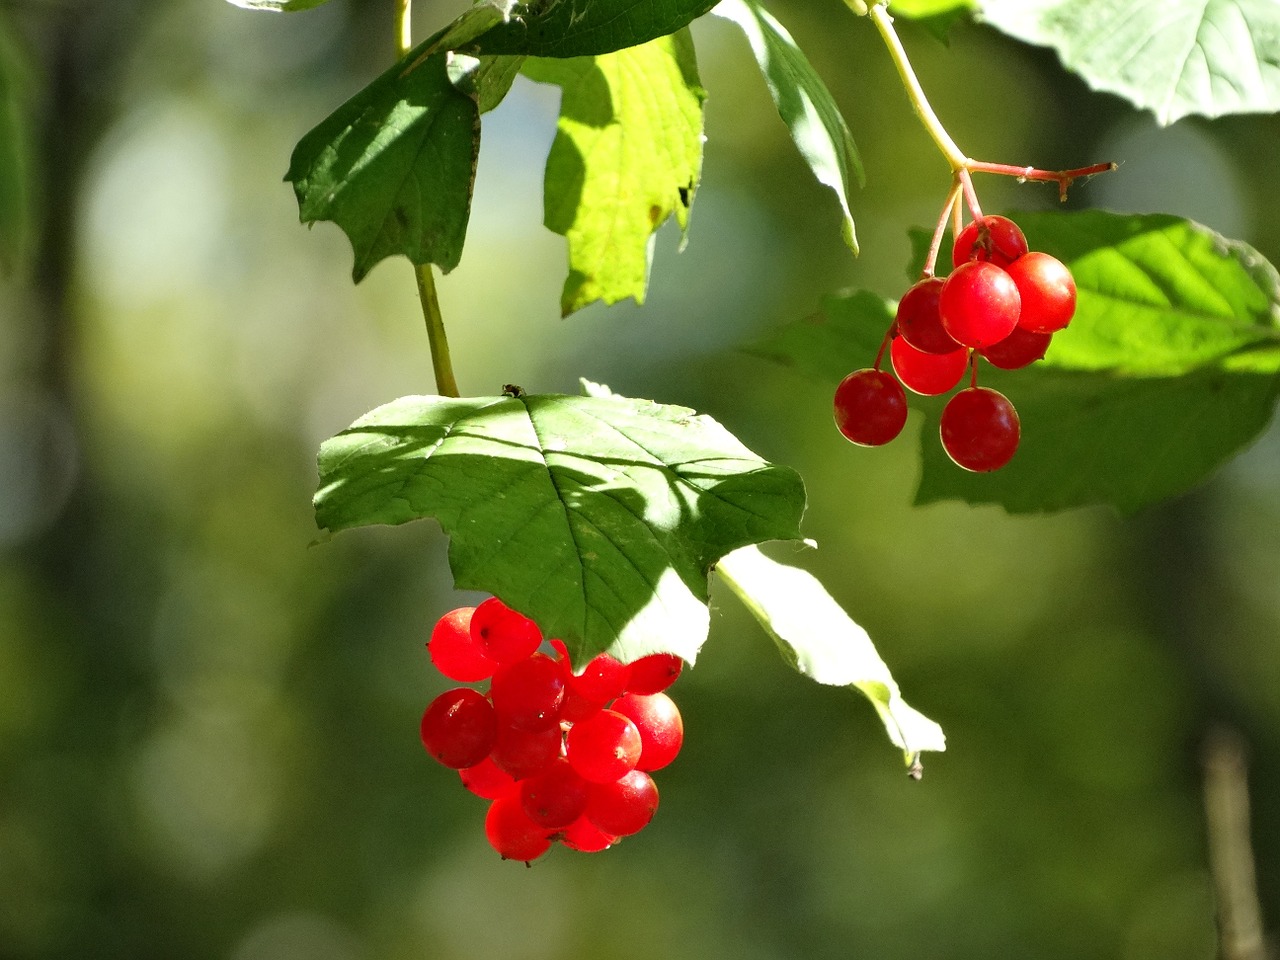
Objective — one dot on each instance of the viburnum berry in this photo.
(979, 429)
(486, 779)
(555, 797)
(1047, 291)
(623, 806)
(918, 320)
(522, 753)
(660, 726)
(654, 673)
(512, 832)
(1019, 349)
(992, 239)
(455, 652)
(505, 635)
(870, 407)
(979, 304)
(603, 747)
(459, 727)
(585, 836)
(528, 693)
(927, 374)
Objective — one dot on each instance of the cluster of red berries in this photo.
(1002, 302)
(561, 756)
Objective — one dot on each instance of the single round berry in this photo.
(486, 779)
(604, 678)
(1047, 291)
(623, 806)
(512, 833)
(555, 797)
(979, 429)
(870, 407)
(660, 725)
(918, 319)
(654, 673)
(992, 239)
(459, 728)
(503, 634)
(522, 753)
(927, 374)
(1019, 349)
(586, 837)
(528, 693)
(979, 304)
(603, 747)
(455, 652)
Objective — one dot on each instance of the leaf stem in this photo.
(1063, 178)
(441, 363)
(935, 244)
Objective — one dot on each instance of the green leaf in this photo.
(486, 79)
(16, 240)
(394, 166)
(1170, 366)
(819, 640)
(599, 517)
(923, 9)
(804, 103)
(627, 155)
(1174, 57)
(579, 28)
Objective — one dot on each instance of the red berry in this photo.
(994, 239)
(979, 429)
(1019, 349)
(503, 634)
(623, 806)
(555, 797)
(660, 725)
(459, 728)
(485, 779)
(1047, 290)
(654, 673)
(603, 679)
(455, 652)
(512, 833)
(603, 747)
(522, 753)
(928, 374)
(918, 319)
(528, 693)
(870, 407)
(585, 836)
(979, 304)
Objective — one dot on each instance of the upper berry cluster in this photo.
(562, 756)
(1002, 302)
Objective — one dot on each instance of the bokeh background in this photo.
(208, 719)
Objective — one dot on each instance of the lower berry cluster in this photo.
(1003, 303)
(561, 756)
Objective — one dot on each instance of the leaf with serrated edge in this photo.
(578, 28)
(627, 155)
(599, 517)
(804, 103)
(394, 167)
(1173, 57)
(818, 639)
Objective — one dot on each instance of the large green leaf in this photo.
(627, 155)
(578, 28)
(818, 639)
(1174, 57)
(394, 166)
(15, 149)
(599, 516)
(1170, 366)
(804, 103)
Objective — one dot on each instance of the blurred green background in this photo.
(208, 720)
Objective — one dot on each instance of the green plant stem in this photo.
(441, 363)
(919, 102)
